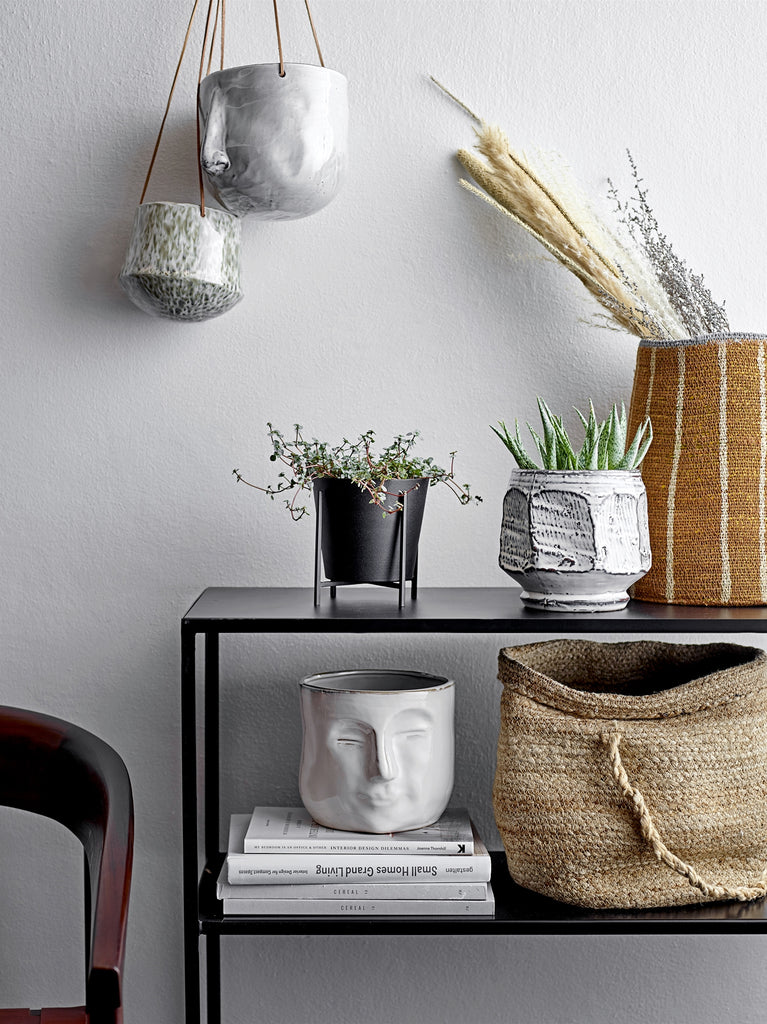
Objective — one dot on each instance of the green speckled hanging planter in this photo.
(183, 265)
(183, 260)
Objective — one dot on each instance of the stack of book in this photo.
(280, 861)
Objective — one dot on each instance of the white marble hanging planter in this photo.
(181, 264)
(274, 145)
(575, 540)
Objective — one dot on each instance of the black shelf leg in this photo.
(213, 978)
(211, 808)
(189, 826)
(402, 549)
(318, 552)
(211, 812)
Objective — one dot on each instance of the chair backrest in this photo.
(58, 770)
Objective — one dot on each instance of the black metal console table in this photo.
(222, 610)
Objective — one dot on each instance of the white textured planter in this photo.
(575, 540)
(274, 147)
(180, 264)
(378, 749)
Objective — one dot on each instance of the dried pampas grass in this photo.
(630, 268)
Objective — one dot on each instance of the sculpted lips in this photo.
(378, 796)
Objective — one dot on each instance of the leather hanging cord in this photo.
(279, 39)
(220, 18)
(213, 38)
(223, 30)
(167, 105)
(220, 11)
(314, 33)
(199, 79)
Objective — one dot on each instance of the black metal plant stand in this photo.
(400, 585)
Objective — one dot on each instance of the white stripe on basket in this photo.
(650, 383)
(672, 481)
(762, 472)
(724, 517)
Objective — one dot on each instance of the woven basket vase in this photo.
(634, 774)
(706, 469)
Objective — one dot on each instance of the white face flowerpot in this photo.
(575, 540)
(378, 749)
(180, 264)
(273, 145)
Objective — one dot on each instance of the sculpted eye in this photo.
(413, 734)
(349, 734)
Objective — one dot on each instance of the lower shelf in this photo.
(518, 911)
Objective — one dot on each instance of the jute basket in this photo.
(706, 470)
(634, 774)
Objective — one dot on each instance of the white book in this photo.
(341, 891)
(305, 869)
(364, 907)
(293, 830)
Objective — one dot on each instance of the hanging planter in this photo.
(183, 261)
(182, 264)
(274, 136)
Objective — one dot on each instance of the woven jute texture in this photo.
(706, 469)
(634, 774)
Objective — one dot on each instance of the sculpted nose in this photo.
(384, 762)
(216, 162)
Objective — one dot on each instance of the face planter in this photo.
(378, 749)
(273, 145)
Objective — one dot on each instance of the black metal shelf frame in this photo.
(223, 610)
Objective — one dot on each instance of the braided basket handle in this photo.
(650, 834)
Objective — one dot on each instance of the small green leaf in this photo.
(631, 459)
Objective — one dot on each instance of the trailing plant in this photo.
(604, 444)
(308, 459)
(629, 266)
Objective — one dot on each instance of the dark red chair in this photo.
(59, 770)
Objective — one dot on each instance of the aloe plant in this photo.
(604, 444)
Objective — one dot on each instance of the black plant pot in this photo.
(359, 543)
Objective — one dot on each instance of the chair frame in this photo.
(61, 771)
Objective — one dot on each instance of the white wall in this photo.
(402, 305)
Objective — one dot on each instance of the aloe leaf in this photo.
(591, 439)
(629, 461)
(504, 435)
(602, 448)
(541, 446)
(523, 459)
(594, 463)
(646, 444)
(565, 456)
(515, 446)
(616, 446)
(549, 426)
(597, 457)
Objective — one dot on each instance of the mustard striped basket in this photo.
(706, 470)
